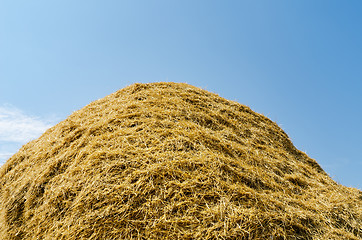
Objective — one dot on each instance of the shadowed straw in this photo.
(171, 161)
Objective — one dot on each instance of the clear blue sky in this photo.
(297, 62)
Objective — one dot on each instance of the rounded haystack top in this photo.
(171, 161)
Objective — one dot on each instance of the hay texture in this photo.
(171, 161)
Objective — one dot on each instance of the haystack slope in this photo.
(171, 161)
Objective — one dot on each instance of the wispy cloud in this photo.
(17, 128)
(4, 157)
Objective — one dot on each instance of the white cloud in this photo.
(4, 157)
(18, 128)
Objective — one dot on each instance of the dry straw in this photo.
(171, 161)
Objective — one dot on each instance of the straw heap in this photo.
(171, 161)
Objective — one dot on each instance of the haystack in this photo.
(171, 161)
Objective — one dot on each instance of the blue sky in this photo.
(297, 62)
